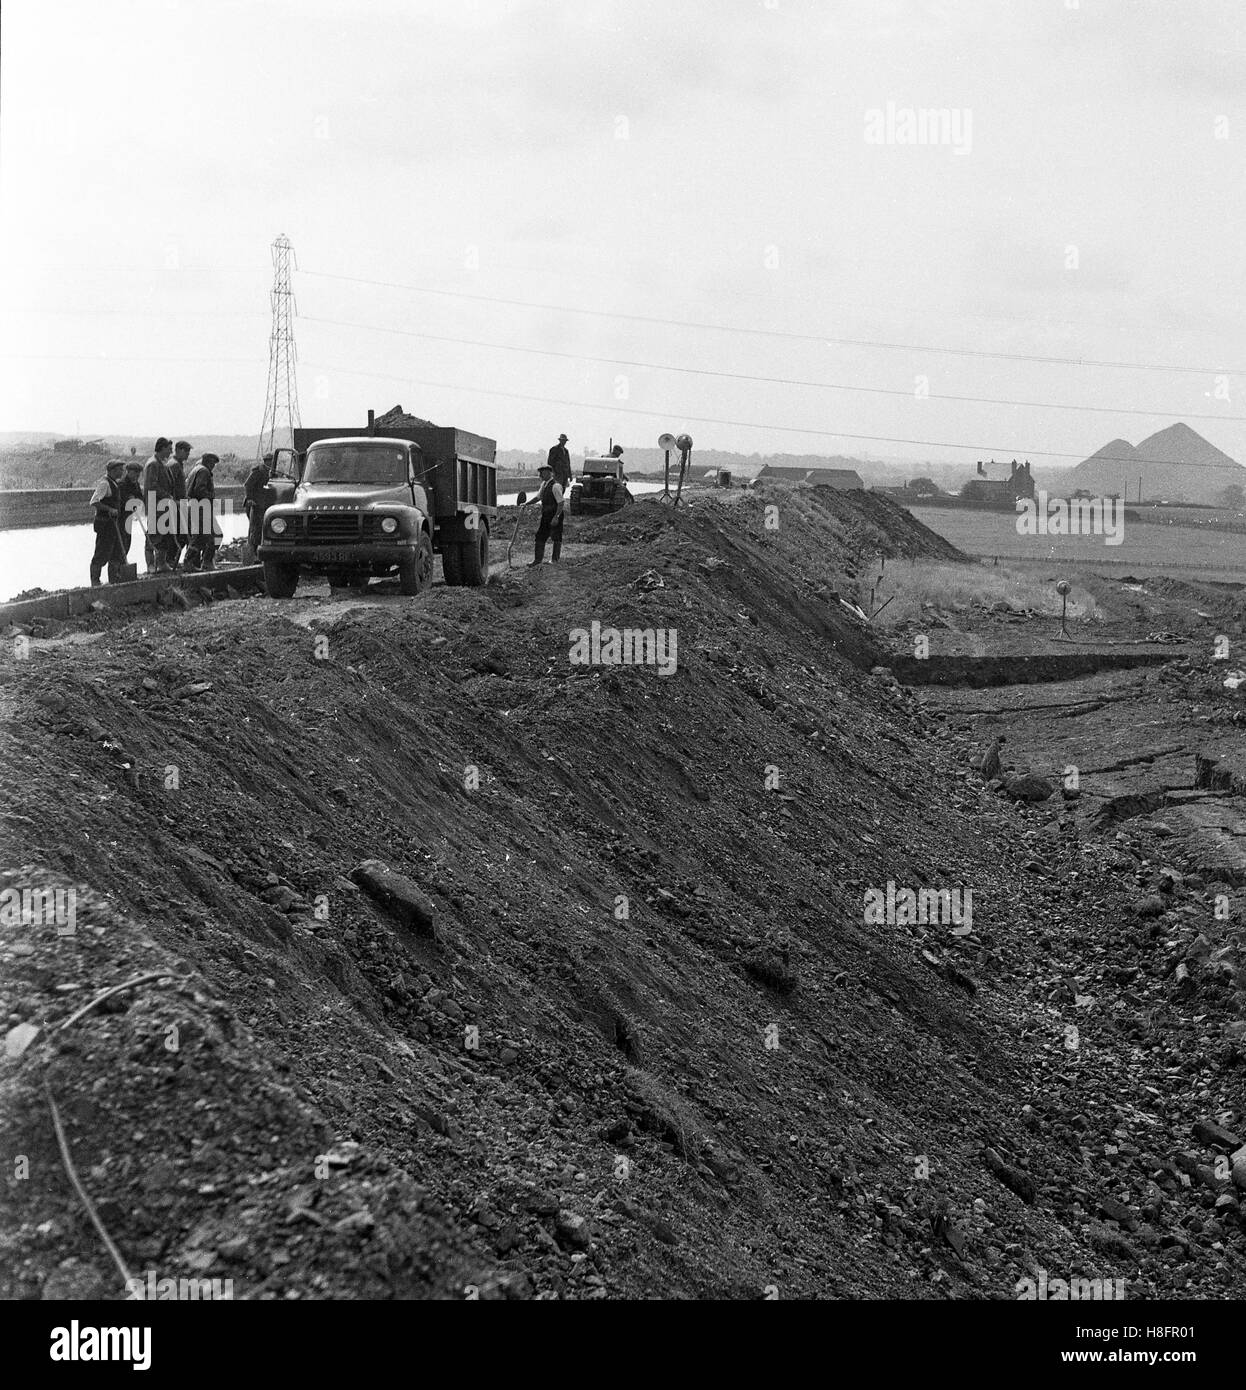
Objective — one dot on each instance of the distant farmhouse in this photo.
(997, 489)
(842, 479)
(80, 446)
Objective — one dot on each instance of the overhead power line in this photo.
(679, 417)
(767, 380)
(779, 333)
(612, 408)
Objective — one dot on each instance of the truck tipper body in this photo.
(382, 502)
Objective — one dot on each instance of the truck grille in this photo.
(333, 526)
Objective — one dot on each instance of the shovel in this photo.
(519, 502)
(128, 570)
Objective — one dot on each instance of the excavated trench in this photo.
(979, 671)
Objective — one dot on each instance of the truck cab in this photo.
(359, 510)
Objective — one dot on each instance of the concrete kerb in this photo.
(72, 603)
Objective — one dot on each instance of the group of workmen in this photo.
(175, 536)
(153, 495)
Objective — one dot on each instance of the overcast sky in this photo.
(711, 161)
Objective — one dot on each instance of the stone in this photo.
(18, 1039)
(572, 1230)
(282, 898)
(1012, 1178)
(1238, 1160)
(397, 895)
(1216, 1136)
(1116, 1211)
(1028, 786)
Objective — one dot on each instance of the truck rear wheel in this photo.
(280, 581)
(474, 558)
(415, 571)
(452, 564)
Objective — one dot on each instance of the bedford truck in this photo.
(371, 504)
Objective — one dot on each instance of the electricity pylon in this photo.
(281, 408)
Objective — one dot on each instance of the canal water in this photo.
(59, 557)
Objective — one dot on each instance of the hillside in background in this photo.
(37, 465)
(1176, 464)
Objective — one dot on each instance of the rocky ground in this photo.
(616, 1023)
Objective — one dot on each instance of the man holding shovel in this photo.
(106, 499)
(550, 497)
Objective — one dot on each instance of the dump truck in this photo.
(601, 486)
(382, 502)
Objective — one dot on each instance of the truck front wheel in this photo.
(474, 558)
(415, 571)
(280, 581)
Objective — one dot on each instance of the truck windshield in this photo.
(378, 465)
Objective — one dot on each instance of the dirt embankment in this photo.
(653, 1046)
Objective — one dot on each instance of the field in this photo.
(1145, 549)
(912, 592)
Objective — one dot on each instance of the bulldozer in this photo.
(602, 485)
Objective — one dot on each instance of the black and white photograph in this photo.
(622, 680)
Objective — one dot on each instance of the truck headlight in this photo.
(277, 526)
(389, 524)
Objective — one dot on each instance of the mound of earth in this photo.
(625, 1028)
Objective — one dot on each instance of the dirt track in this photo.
(740, 1084)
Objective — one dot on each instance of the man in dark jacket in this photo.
(201, 515)
(177, 467)
(131, 502)
(560, 461)
(550, 497)
(255, 500)
(158, 486)
(106, 499)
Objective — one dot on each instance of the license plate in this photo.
(334, 556)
